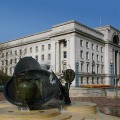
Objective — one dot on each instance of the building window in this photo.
(97, 68)
(2, 55)
(25, 51)
(97, 48)
(49, 46)
(36, 57)
(81, 67)
(10, 61)
(15, 52)
(65, 43)
(93, 69)
(81, 80)
(97, 80)
(10, 70)
(20, 52)
(87, 45)
(42, 47)
(92, 46)
(15, 60)
(101, 58)
(6, 62)
(11, 53)
(30, 49)
(81, 54)
(64, 66)
(49, 56)
(2, 62)
(87, 80)
(6, 70)
(102, 49)
(93, 56)
(92, 80)
(102, 80)
(102, 69)
(97, 58)
(42, 57)
(87, 67)
(87, 56)
(116, 39)
(81, 43)
(36, 49)
(6, 54)
(65, 54)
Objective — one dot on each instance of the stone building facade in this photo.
(94, 54)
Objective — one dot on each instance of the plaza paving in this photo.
(109, 106)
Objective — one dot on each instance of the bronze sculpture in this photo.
(31, 85)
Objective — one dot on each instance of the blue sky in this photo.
(19, 18)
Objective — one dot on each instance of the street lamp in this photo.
(77, 73)
(111, 71)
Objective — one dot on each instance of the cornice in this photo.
(64, 32)
(114, 28)
(26, 43)
(78, 32)
(92, 29)
(89, 36)
(21, 38)
(80, 24)
(111, 43)
(64, 23)
(108, 27)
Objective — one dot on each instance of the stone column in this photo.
(68, 54)
(118, 57)
(119, 70)
(114, 59)
(57, 57)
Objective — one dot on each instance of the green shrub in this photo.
(3, 78)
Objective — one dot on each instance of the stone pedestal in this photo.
(76, 111)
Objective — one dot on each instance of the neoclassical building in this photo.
(94, 54)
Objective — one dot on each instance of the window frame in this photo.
(81, 43)
(64, 54)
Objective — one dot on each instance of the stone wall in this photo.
(94, 92)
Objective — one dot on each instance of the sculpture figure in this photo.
(31, 85)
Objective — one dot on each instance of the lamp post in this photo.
(77, 73)
(111, 71)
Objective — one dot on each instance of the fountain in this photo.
(39, 94)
